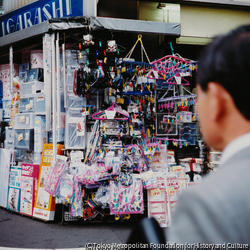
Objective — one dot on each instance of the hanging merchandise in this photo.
(142, 49)
(53, 178)
(173, 69)
(126, 199)
(111, 114)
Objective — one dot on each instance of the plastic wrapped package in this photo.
(102, 196)
(126, 199)
(55, 173)
(66, 188)
(36, 59)
(75, 129)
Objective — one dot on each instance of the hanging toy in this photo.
(100, 69)
(112, 46)
(88, 40)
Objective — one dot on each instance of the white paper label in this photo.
(110, 114)
(178, 80)
(22, 118)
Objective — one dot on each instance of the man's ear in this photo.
(217, 96)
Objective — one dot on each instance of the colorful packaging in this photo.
(14, 189)
(45, 203)
(29, 177)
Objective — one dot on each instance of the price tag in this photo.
(40, 98)
(171, 191)
(155, 192)
(20, 137)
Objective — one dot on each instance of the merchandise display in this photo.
(104, 135)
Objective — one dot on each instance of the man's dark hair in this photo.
(227, 61)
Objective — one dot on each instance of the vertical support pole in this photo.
(58, 95)
(64, 75)
(54, 97)
(47, 58)
(97, 101)
(11, 69)
(90, 8)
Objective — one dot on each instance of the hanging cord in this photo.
(142, 49)
(171, 47)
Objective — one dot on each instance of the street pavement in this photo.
(17, 231)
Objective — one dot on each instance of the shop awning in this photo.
(111, 24)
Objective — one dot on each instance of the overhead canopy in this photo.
(95, 23)
(116, 24)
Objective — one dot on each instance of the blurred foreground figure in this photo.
(217, 210)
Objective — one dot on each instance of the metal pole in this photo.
(47, 58)
(11, 69)
(58, 81)
(53, 98)
(64, 75)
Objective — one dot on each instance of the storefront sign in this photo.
(38, 12)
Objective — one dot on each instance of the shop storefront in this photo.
(112, 129)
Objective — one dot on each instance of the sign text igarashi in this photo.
(38, 12)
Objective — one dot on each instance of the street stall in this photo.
(104, 128)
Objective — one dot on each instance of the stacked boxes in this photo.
(32, 105)
(32, 97)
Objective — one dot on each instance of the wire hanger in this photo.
(109, 114)
(142, 49)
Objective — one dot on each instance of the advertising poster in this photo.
(14, 189)
(44, 208)
(29, 177)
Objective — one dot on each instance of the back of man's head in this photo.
(227, 61)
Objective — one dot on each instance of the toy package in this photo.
(55, 173)
(126, 199)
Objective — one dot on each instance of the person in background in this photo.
(217, 210)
